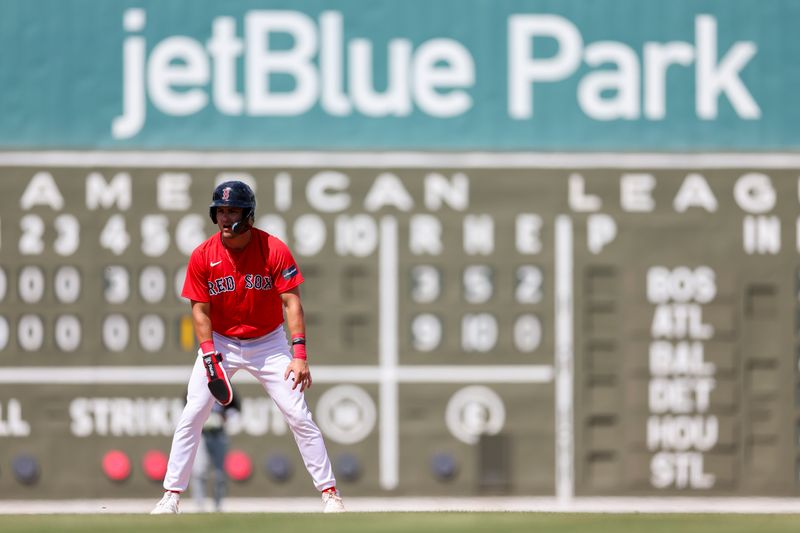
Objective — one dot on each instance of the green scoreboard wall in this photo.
(609, 324)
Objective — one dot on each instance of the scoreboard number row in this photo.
(478, 284)
(113, 236)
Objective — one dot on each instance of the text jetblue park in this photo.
(181, 75)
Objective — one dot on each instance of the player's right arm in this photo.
(195, 289)
(201, 319)
(218, 382)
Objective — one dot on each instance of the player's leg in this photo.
(186, 440)
(198, 405)
(270, 357)
(187, 433)
(306, 433)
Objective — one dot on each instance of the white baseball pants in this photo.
(265, 358)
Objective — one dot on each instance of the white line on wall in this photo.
(387, 356)
(311, 159)
(564, 369)
(179, 375)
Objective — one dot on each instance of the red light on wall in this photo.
(116, 465)
(238, 465)
(154, 465)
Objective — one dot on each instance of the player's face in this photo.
(226, 216)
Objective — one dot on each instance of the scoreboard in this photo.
(529, 324)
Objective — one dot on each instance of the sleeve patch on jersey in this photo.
(290, 272)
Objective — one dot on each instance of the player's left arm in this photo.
(296, 322)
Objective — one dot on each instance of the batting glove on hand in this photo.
(218, 382)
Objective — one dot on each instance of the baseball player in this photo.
(240, 282)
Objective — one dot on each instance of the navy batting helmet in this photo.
(234, 194)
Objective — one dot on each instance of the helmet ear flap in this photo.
(212, 211)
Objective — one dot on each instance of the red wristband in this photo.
(207, 347)
(299, 351)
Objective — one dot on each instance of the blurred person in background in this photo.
(209, 463)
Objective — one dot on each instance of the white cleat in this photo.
(332, 502)
(168, 504)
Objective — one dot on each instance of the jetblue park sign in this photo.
(450, 74)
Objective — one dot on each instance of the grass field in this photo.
(407, 522)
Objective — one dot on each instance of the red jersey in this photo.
(243, 286)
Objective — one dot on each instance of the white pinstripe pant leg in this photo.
(266, 359)
(187, 433)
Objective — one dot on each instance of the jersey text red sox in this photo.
(244, 283)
